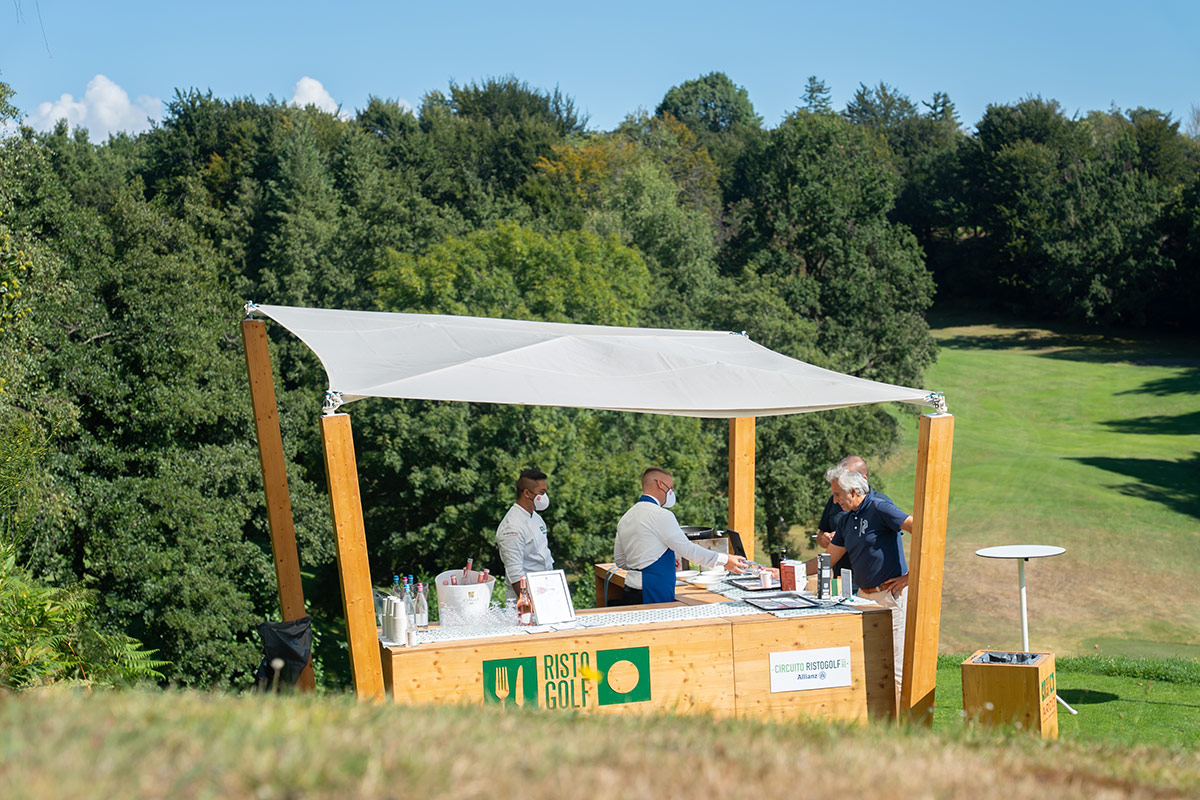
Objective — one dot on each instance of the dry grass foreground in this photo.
(60, 743)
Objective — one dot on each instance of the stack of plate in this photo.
(709, 577)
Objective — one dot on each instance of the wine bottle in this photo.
(467, 571)
(524, 605)
(422, 607)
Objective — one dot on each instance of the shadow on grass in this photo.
(1031, 338)
(1187, 382)
(1179, 425)
(1174, 484)
(1090, 346)
(1086, 697)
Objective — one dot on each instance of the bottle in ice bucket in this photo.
(422, 607)
(524, 605)
(467, 571)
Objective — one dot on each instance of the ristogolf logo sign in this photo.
(800, 670)
(569, 680)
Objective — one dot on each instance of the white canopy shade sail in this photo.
(648, 370)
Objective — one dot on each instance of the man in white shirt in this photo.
(521, 535)
(649, 540)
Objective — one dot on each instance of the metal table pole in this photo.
(1024, 607)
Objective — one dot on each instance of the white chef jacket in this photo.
(521, 538)
(647, 531)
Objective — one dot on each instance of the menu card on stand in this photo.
(551, 597)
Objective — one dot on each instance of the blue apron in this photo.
(658, 579)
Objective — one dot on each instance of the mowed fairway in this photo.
(1079, 440)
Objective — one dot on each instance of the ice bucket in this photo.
(465, 603)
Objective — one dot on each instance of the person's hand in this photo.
(895, 585)
(736, 564)
(824, 538)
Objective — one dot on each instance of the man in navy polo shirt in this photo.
(827, 526)
(869, 534)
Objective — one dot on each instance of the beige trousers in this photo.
(899, 607)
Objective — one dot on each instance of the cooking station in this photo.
(710, 651)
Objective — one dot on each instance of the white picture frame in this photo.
(551, 597)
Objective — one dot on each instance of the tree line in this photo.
(130, 471)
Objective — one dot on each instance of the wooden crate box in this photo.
(1022, 695)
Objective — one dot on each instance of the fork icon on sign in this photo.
(502, 688)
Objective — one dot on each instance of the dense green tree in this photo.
(719, 112)
(711, 103)
(817, 97)
(654, 187)
(1161, 151)
(879, 106)
(1069, 217)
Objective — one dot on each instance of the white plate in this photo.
(684, 574)
(706, 580)
(720, 572)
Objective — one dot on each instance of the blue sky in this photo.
(109, 66)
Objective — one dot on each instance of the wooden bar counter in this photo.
(834, 665)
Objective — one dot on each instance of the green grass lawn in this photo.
(1080, 440)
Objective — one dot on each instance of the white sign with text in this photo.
(800, 670)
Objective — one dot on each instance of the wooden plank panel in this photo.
(872, 692)
(1012, 694)
(741, 480)
(689, 667)
(923, 625)
(275, 484)
(354, 571)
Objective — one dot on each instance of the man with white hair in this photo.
(827, 526)
(869, 533)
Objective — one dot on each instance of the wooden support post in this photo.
(354, 571)
(930, 506)
(275, 484)
(741, 480)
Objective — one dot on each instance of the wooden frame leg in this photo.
(275, 483)
(930, 507)
(741, 480)
(354, 571)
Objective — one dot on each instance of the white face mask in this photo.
(670, 501)
(541, 502)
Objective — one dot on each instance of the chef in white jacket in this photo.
(649, 540)
(521, 535)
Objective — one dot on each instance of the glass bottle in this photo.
(396, 591)
(422, 607)
(524, 605)
(410, 606)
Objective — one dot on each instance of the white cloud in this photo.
(311, 92)
(104, 108)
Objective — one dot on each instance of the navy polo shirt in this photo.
(829, 522)
(871, 536)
